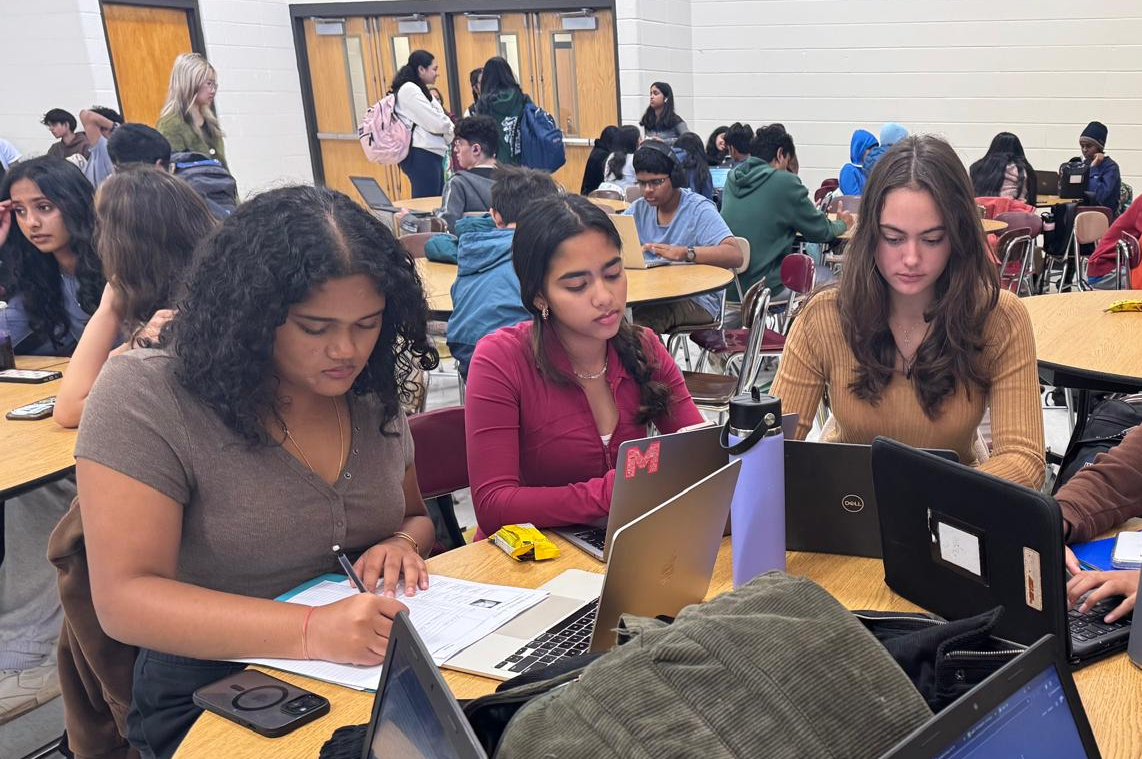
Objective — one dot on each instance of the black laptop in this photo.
(830, 504)
(415, 715)
(1029, 708)
(374, 196)
(959, 542)
(1046, 183)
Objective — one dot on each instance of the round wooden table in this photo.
(1046, 201)
(989, 226)
(644, 286)
(430, 203)
(617, 206)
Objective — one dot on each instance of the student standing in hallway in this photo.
(187, 119)
(432, 130)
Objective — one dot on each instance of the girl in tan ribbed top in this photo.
(918, 340)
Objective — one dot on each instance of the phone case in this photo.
(40, 409)
(1127, 551)
(29, 376)
(265, 704)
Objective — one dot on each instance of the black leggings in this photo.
(425, 170)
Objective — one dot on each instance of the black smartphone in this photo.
(40, 409)
(29, 376)
(265, 704)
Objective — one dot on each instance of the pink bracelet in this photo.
(305, 633)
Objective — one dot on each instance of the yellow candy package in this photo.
(1120, 306)
(524, 543)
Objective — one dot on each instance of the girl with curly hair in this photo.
(149, 224)
(51, 275)
(918, 340)
(268, 430)
(550, 401)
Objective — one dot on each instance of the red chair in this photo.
(728, 343)
(1126, 252)
(441, 469)
(799, 276)
(1015, 253)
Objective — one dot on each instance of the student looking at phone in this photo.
(550, 400)
(269, 430)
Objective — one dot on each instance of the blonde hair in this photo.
(189, 73)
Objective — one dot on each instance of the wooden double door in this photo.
(351, 60)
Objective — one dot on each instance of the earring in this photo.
(544, 314)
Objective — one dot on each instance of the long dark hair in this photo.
(987, 173)
(626, 142)
(474, 83)
(713, 155)
(268, 255)
(694, 162)
(496, 76)
(149, 225)
(668, 119)
(36, 275)
(951, 356)
(542, 228)
(606, 142)
(409, 72)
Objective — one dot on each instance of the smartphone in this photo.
(265, 704)
(29, 376)
(1127, 552)
(40, 409)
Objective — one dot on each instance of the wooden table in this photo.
(32, 452)
(1109, 689)
(644, 286)
(1046, 201)
(430, 203)
(616, 206)
(989, 226)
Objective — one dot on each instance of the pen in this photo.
(348, 567)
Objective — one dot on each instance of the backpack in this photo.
(1105, 428)
(210, 179)
(1074, 177)
(1125, 198)
(384, 136)
(541, 141)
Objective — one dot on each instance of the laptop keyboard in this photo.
(1090, 626)
(596, 536)
(570, 637)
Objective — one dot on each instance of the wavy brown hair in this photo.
(951, 356)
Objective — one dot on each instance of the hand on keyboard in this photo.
(1100, 586)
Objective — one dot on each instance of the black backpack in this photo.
(1074, 177)
(210, 179)
(1106, 426)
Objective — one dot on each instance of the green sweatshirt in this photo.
(506, 107)
(768, 207)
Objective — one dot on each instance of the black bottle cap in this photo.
(752, 410)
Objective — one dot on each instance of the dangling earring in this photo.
(544, 314)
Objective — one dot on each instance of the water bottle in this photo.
(757, 512)
(7, 355)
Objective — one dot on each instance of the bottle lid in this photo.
(754, 409)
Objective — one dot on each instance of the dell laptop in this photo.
(959, 542)
(659, 563)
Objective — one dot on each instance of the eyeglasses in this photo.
(652, 183)
(211, 84)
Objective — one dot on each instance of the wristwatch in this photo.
(690, 255)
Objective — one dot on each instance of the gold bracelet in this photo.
(409, 538)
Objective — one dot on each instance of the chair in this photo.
(1015, 253)
(606, 195)
(633, 193)
(1067, 257)
(799, 277)
(743, 244)
(850, 203)
(1126, 252)
(414, 243)
(731, 343)
(1090, 225)
(441, 468)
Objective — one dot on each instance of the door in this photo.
(477, 40)
(143, 42)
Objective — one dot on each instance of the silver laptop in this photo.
(718, 176)
(648, 472)
(371, 192)
(660, 562)
(633, 255)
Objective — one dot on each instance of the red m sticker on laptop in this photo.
(636, 460)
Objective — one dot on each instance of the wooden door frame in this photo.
(445, 10)
(193, 22)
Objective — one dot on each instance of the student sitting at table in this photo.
(550, 400)
(737, 139)
(619, 169)
(1004, 171)
(149, 225)
(767, 204)
(1100, 266)
(268, 431)
(677, 224)
(471, 189)
(918, 341)
(890, 134)
(485, 295)
(1105, 183)
(852, 175)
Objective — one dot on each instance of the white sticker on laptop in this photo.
(959, 548)
(1032, 579)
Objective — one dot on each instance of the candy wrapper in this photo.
(524, 543)
(1119, 306)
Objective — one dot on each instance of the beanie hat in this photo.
(1096, 131)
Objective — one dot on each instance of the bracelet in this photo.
(409, 538)
(305, 633)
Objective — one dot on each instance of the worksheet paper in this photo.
(450, 616)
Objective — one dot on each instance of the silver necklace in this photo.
(594, 376)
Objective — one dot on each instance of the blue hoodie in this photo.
(890, 134)
(485, 295)
(852, 176)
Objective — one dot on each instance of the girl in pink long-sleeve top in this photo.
(550, 401)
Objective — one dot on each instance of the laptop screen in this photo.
(1034, 722)
(719, 175)
(371, 192)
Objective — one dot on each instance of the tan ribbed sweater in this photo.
(817, 357)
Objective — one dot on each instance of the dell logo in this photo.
(852, 503)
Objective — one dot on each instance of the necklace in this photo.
(340, 439)
(594, 376)
(909, 361)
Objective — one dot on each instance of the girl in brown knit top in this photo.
(918, 340)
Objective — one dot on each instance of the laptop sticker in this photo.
(637, 460)
(1032, 579)
(955, 546)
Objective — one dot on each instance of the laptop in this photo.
(660, 562)
(415, 715)
(373, 195)
(960, 542)
(830, 504)
(719, 175)
(633, 257)
(1046, 183)
(650, 471)
(1028, 708)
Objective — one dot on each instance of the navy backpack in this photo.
(541, 141)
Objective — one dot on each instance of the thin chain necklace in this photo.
(340, 440)
(594, 376)
(909, 361)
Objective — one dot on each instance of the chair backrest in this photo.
(830, 184)
(441, 451)
(751, 359)
(743, 243)
(821, 192)
(748, 301)
(606, 194)
(981, 210)
(1090, 226)
(798, 272)
(1014, 219)
(1128, 243)
(415, 243)
(850, 203)
(1008, 241)
(633, 193)
(1096, 209)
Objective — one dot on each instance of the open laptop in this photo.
(1029, 708)
(415, 715)
(718, 176)
(633, 256)
(960, 542)
(648, 472)
(830, 504)
(660, 562)
(1046, 183)
(374, 196)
